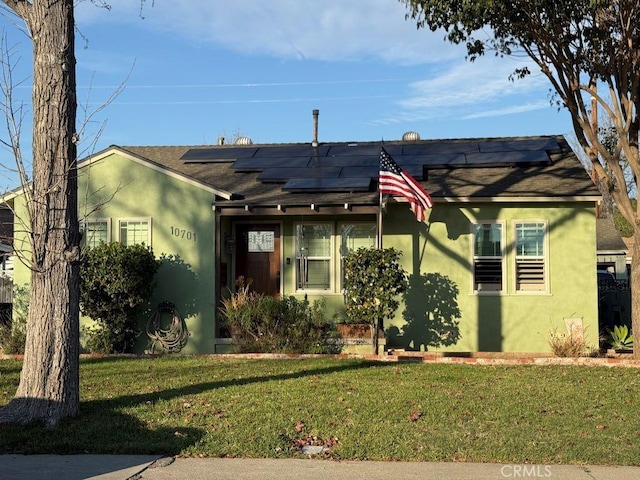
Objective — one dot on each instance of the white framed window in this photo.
(95, 231)
(488, 257)
(132, 231)
(314, 256)
(352, 237)
(530, 256)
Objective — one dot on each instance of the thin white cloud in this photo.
(467, 90)
(330, 30)
(465, 83)
(500, 112)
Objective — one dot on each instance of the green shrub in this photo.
(620, 338)
(115, 281)
(264, 324)
(13, 333)
(373, 280)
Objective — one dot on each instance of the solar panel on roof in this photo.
(291, 151)
(217, 154)
(257, 164)
(346, 161)
(351, 150)
(515, 145)
(414, 170)
(440, 148)
(282, 174)
(433, 161)
(370, 172)
(358, 184)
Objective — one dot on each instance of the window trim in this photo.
(85, 221)
(545, 257)
(503, 257)
(135, 219)
(331, 258)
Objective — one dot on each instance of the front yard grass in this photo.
(357, 409)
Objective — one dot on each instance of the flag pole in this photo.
(379, 219)
(376, 324)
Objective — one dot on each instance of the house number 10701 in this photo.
(182, 233)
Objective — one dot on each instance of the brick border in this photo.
(479, 358)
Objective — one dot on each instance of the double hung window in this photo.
(488, 257)
(313, 256)
(530, 256)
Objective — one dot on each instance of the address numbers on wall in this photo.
(183, 233)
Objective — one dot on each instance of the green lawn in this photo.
(359, 409)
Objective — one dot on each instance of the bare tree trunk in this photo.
(49, 383)
(635, 297)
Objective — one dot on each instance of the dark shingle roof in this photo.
(608, 237)
(510, 168)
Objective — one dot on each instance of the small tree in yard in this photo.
(373, 280)
(115, 280)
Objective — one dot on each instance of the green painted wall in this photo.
(182, 222)
(441, 298)
(182, 234)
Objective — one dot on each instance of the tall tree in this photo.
(49, 382)
(585, 48)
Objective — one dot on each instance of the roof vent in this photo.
(243, 141)
(411, 137)
(314, 142)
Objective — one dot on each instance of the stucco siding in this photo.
(182, 236)
(441, 297)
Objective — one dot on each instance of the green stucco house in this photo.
(506, 255)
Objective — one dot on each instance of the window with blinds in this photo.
(488, 257)
(530, 257)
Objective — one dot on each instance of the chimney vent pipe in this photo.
(314, 143)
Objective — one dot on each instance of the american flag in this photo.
(395, 181)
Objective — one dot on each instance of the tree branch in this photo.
(20, 7)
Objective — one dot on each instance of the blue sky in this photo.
(192, 71)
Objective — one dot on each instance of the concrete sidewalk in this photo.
(135, 467)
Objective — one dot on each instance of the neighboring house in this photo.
(6, 264)
(506, 255)
(614, 295)
(612, 251)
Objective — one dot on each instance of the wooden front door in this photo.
(258, 256)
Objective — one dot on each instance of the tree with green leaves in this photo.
(373, 281)
(590, 52)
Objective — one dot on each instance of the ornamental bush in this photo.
(115, 281)
(373, 280)
(263, 324)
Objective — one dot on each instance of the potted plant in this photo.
(374, 279)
